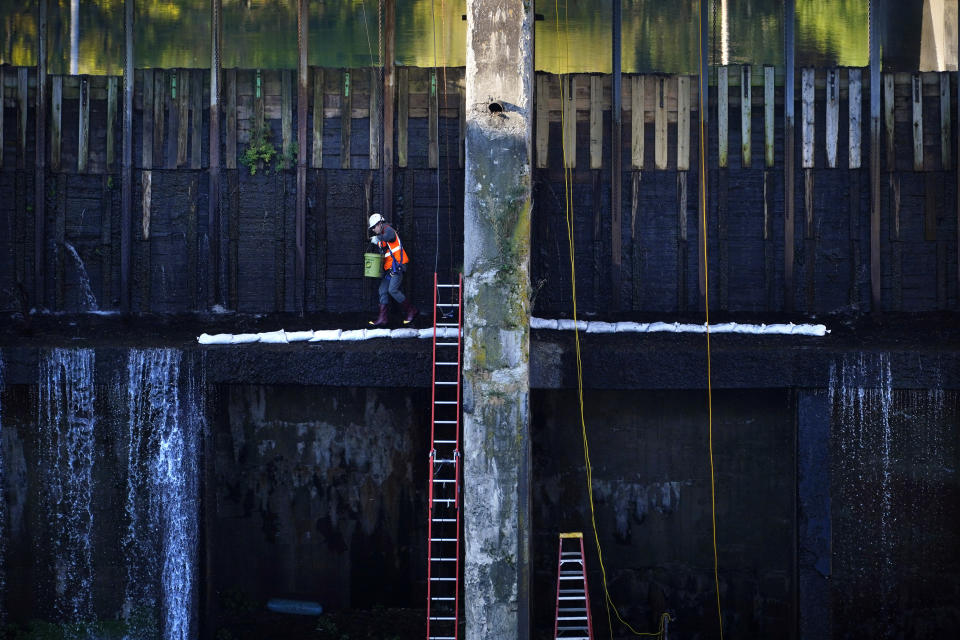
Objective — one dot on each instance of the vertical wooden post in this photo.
(146, 122)
(888, 120)
(286, 113)
(723, 100)
(945, 120)
(769, 104)
(854, 102)
(183, 107)
(433, 133)
(875, 162)
(316, 161)
(376, 124)
(462, 114)
(346, 118)
(637, 122)
(596, 122)
(126, 159)
(300, 275)
(703, 115)
(83, 126)
(832, 116)
(542, 97)
(403, 111)
(746, 113)
(616, 128)
(196, 131)
(660, 125)
(213, 224)
(22, 101)
(111, 121)
(106, 245)
(569, 110)
(146, 193)
(789, 9)
(808, 117)
(916, 93)
(389, 96)
(40, 169)
(3, 85)
(159, 115)
(683, 123)
(230, 114)
(56, 118)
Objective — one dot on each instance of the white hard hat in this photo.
(374, 220)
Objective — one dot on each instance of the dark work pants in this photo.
(391, 285)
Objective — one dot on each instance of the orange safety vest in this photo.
(391, 250)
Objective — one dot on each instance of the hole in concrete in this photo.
(495, 107)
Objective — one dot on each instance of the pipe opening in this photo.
(495, 107)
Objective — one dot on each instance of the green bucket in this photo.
(371, 265)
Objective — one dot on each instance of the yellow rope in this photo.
(568, 205)
(706, 306)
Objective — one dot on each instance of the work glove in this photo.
(374, 240)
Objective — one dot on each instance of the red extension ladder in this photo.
(572, 621)
(443, 524)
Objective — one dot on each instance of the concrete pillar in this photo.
(496, 265)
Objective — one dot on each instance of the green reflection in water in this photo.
(572, 36)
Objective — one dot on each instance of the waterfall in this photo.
(892, 474)
(66, 424)
(89, 299)
(161, 505)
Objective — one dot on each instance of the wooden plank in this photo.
(832, 115)
(637, 122)
(660, 126)
(389, 108)
(543, 121)
(106, 245)
(146, 122)
(83, 126)
(196, 121)
(39, 159)
(723, 119)
(303, 81)
(769, 104)
(433, 134)
(112, 82)
(682, 240)
(635, 241)
(230, 96)
(888, 107)
(316, 159)
(159, 106)
(215, 265)
(3, 85)
(810, 240)
(258, 103)
(931, 208)
(375, 118)
(147, 197)
(683, 124)
(569, 120)
(59, 238)
(22, 92)
(286, 117)
(403, 111)
(916, 90)
(346, 107)
(945, 132)
(746, 115)
(596, 122)
(172, 124)
(191, 234)
(854, 102)
(462, 115)
(789, 139)
(56, 127)
(183, 107)
(875, 107)
(808, 118)
(126, 159)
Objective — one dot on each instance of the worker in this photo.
(395, 260)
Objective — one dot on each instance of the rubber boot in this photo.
(381, 320)
(410, 311)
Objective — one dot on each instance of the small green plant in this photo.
(288, 158)
(260, 152)
(110, 183)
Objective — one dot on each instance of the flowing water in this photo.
(88, 300)
(66, 438)
(161, 504)
(892, 471)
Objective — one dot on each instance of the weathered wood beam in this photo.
(568, 108)
(683, 123)
(746, 115)
(376, 122)
(83, 126)
(56, 122)
(403, 114)
(196, 121)
(389, 102)
(660, 125)
(832, 116)
(723, 118)
(230, 115)
(112, 82)
(855, 109)
(286, 114)
(346, 102)
(213, 224)
(22, 110)
(433, 132)
(945, 111)
(183, 109)
(126, 159)
(541, 99)
(875, 62)
(808, 118)
(596, 122)
(40, 169)
(146, 122)
(769, 108)
(916, 94)
(616, 136)
(888, 121)
(316, 159)
(789, 176)
(637, 122)
(303, 77)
